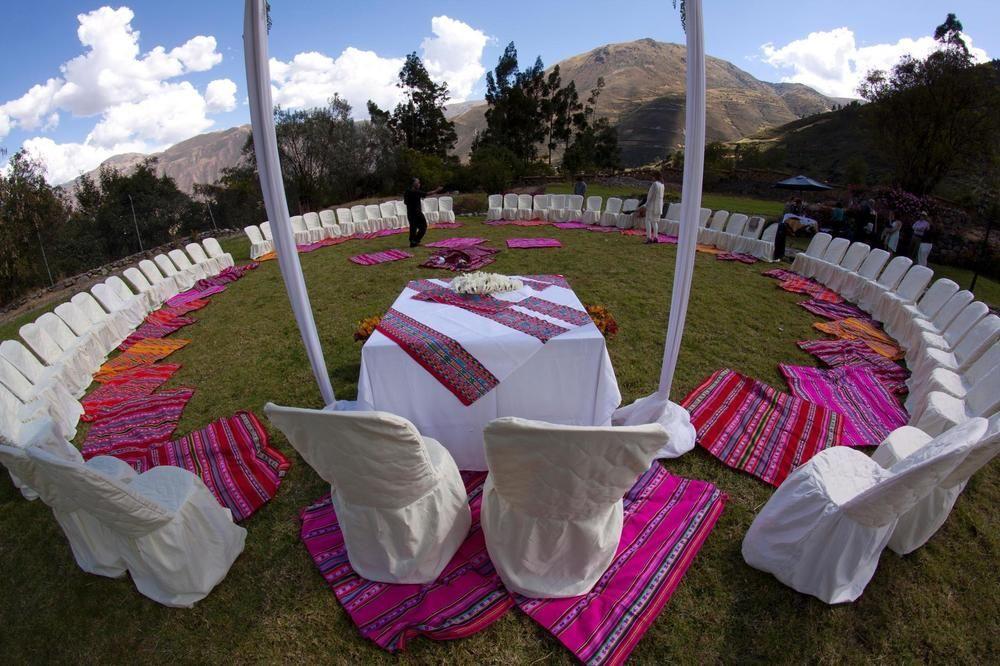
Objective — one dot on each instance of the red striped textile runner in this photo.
(143, 352)
(780, 274)
(667, 520)
(457, 241)
(232, 456)
(737, 256)
(836, 353)
(870, 412)
(834, 310)
(134, 383)
(546, 281)
(373, 258)
(529, 243)
(138, 422)
(444, 358)
(466, 598)
(159, 327)
(564, 312)
(752, 427)
(801, 285)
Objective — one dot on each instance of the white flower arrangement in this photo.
(480, 283)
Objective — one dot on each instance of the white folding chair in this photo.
(186, 266)
(446, 212)
(626, 220)
(494, 207)
(103, 335)
(163, 288)
(912, 330)
(374, 216)
(399, 498)
(329, 221)
(731, 234)
(907, 292)
(850, 283)
(832, 256)
(557, 208)
(116, 324)
(197, 255)
(824, 528)
(943, 411)
(817, 246)
(258, 245)
(170, 532)
(825, 271)
(541, 204)
(953, 381)
(524, 211)
(592, 214)
(970, 346)
(431, 210)
(950, 337)
(265, 228)
(345, 220)
(131, 308)
(183, 279)
(574, 208)
(314, 225)
(919, 524)
(387, 211)
(671, 222)
(360, 218)
(707, 235)
(52, 398)
(887, 281)
(609, 218)
(75, 364)
(552, 503)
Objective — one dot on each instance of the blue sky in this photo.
(124, 100)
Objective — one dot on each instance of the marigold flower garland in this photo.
(604, 320)
(366, 327)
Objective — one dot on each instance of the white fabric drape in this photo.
(694, 157)
(266, 150)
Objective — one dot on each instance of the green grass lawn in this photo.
(938, 604)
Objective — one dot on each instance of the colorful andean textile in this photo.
(603, 230)
(708, 249)
(127, 385)
(570, 225)
(381, 233)
(780, 274)
(834, 310)
(540, 282)
(232, 456)
(836, 353)
(667, 519)
(462, 259)
(865, 330)
(445, 225)
(870, 412)
(374, 258)
(737, 256)
(138, 422)
(168, 312)
(267, 257)
(666, 239)
(226, 275)
(801, 285)
(529, 243)
(157, 328)
(441, 356)
(516, 223)
(143, 352)
(466, 598)
(195, 294)
(456, 241)
(751, 426)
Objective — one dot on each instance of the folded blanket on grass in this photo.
(835, 353)
(127, 385)
(137, 422)
(373, 258)
(528, 243)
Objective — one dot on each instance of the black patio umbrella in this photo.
(802, 184)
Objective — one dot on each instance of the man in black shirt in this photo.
(414, 211)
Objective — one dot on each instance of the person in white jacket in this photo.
(653, 208)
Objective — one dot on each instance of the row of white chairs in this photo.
(733, 233)
(824, 529)
(342, 222)
(114, 519)
(552, 502)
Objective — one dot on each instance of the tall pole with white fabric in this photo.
(657, 408)
(694, 158)
(265, 146)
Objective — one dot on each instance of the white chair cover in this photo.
(944, 411)
(655, 408)
(177, 542)
(920, 523)
(446, 211)
(815, 249)
(301, 233)
(399, 497)
(329, 221)
(557, 208)
(887, 281)
(825, 271)
(314, 225)
(130, 311)
(592, 215)
(981, 337)
(162, 288)
(609, 218)
(906, 293)
(552, 503)
(627, 220)
(951, 336)
(897, 322)
(494, 207)
(910, 338)
(510, 206)
(346, 221)
(387, 211)
(952, 381)
(184, 279)
(85, 348)
(109, 327)
(431, 212)
(265, 228)
(374, 216)
(101, 334)
(76, 371)
(541, 204)
(196, 253)
(823, 530)
(574, 207)
(734, 227)
(849, 283)
(52, 399)
(44, 378)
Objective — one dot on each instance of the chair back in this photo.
(253, 233)
(15, 381)
(22, 359)
(541, 201)
(770, 233)
(836, 250)
(373, 212)
(510, 200)
(328, 217)
(494, 201)
(20, 464)
(180, 259)
(964, 322)
(754, 227)
(817, 245)
(298, 224)
(558, 471)
(446, 204)
(386, 210)
(57, 329)
(630, 206)
(41, 343)
(557, 201)
(369, 458)
(978, 340)
(78, 322)
(703, 215)
(344, 216)
(111, 502)
(358, 214)
(137, 279)
(574, 202)
(196, 253)
(873, 264)
(856, 254)
(894, 272)
(400, 208)
(736, 223)
(982, 365)
(431, 204)
(614, 205)
(981, 453)
(150, 270)
(524, 201)
(119, 287)
(983, 397)
(719, 220)
(312, 220)
(594, 204)
(914, 476)
(265, 228)
(89, 307)
(936, 296)
(913, 283)
(166, 266)
(952, 307)
(674, 212)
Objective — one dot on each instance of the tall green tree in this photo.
(931, 114)
(419, 119)
(515, 117)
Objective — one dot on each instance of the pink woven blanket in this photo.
(529, 243)
(456, 242)
(374, 258)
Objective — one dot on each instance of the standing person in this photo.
(920, 228)
(581, 187)
(837, 218)
(891, 233)
(415, 212)
(653, 208)
(924, 249)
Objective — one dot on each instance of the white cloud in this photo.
(140, 108)
(220, 96)
(833, 63)
(453, 56)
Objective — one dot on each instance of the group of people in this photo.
(863, 222)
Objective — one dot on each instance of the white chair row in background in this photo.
(343, 222)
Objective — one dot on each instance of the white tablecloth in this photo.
(568, 380)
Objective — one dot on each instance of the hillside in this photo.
(644, 95)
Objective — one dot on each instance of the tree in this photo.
(930, 114)
(595, 147)
(514, 113)
(418, 122)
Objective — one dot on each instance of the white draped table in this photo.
(568, 380)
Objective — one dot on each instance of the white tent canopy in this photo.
(655, 407)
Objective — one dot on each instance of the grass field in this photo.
(941, 603)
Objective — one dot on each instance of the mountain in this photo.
(644, 95)
(199, 159)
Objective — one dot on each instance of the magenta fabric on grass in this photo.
(529, 243)
(374, 258)
(456, 242)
